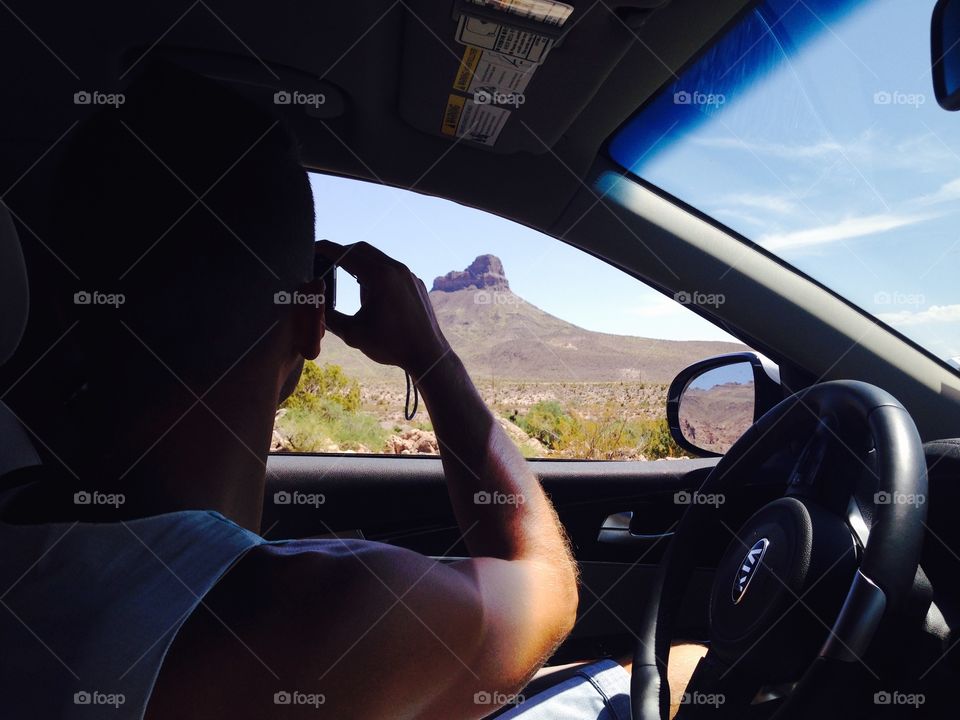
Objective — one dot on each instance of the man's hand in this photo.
(395, 324)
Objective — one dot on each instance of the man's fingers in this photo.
(361, 259)
(330, 250)
(343, 326)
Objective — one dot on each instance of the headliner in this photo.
(376, 53)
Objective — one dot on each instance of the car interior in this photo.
(843, 485)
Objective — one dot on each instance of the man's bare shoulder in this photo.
(323, 569)
(303, 616)
(312, 591)
(296, 563)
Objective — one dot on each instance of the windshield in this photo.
(811, 129)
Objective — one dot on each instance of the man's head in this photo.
(184, 211)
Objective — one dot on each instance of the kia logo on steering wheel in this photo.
(748, 568)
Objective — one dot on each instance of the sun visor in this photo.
(509, 75)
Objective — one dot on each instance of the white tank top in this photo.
(89, 610)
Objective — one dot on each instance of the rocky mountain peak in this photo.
(484, 273)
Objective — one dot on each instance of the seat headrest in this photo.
(14, 291)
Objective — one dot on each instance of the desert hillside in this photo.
(499, 335)
(713, 418)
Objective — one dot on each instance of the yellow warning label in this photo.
(451, 116)
(468, 67)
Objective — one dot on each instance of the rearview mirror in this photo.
(945, 53)
(713, 402)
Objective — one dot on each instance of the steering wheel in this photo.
(800, 562)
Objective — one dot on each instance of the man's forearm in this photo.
(497, 499)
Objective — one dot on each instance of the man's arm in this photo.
(521, 566)
(497, 499)
(521, 580)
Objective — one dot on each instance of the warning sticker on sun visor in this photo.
(486, 71)
(477, 122)
(549, 12)
(505, 39)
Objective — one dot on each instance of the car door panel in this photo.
(618, 515)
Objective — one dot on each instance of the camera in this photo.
(326, 269)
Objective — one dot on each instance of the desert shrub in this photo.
(657, 440)
(547, 422)
(328, 383)
(325, 408)
(608, 436)
(314, 429)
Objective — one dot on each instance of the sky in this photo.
(740, 373)
(837, 159)
(434, 236)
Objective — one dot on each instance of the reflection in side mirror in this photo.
(945, 53)
(717, 407)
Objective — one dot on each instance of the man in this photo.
(181, 215)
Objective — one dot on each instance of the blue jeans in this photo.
(600, 691)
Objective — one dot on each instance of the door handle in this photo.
(615, 530)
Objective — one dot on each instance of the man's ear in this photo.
(308, 318)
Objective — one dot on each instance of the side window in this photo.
(572, 356)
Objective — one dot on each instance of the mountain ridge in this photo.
(499, 335)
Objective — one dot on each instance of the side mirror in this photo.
(712, 403)
(945, 53)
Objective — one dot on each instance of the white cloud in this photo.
(853, 227)
(869, 151)
(730, 217)
(781, 150)
(933, 314)
(948, 192)
(772, 203)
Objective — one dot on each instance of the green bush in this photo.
(325, 408)
(319, 384)
(546, 421)
(608, 436)
(657, 440)
(315, 430)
